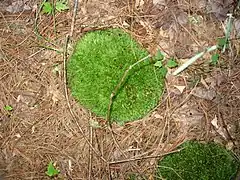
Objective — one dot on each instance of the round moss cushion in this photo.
(96, 67)
(198, 161)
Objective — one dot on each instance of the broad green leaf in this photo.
(163, 71)
(171, 63)
(51, 170)
(159, 56)
(47, 8)
(61, 6)
(214, 59)
(221, 42)
(8, 108)
(158, 64)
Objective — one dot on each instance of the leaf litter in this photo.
(49, 128)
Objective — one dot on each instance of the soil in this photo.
(47, 124)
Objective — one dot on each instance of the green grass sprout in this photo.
(198, 161)
(172, 63)
(8, 108)
(214, 59)
(51, 170)
(228, 31)
(48, 7)
(97, 66)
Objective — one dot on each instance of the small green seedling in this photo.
(159, 56)
(214, 59)
(171, 63)
(221, 42)
(51, 170)
(61, 5)
(158, 64)
(8, 108)
(47, 8)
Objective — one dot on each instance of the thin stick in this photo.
(68, 102)
(146, 157)
(74, 17)
(90, 154)
(113, 94)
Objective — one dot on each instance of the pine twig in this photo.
(68, 102)
(146, 157)
(114, 92)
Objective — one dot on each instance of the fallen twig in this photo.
(74, 17)
(146, 157)
(113, 94)
(68, 103)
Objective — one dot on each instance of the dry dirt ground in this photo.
(201, 103)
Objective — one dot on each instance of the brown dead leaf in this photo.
(180, 88)
(218, 128)
(182, 18)
(54, 93)
(159, 2)
(139, 3)
(18, 6)
(237, 27)
(203, 93)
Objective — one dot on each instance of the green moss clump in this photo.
(98, 64)
(198, 162)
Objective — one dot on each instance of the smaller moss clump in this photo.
(198, 161)
(97, 66)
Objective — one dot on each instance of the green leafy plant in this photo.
(214, 59)
(99, 61)
(159, 56)
(51, 170)
(48, 8)
(8, 108)
(198, 161)
(172, 63)
(61, 6)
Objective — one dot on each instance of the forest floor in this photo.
(37, 126)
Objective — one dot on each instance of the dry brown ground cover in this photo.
(40, 128)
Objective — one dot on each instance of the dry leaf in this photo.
(180, 88)
(208, 94)
(214, 122)
(18, 6)
(219, 129)
(182, 18)
(159, 2)
(139, 3)
(229, 145)
(237, 27)
(55, 93)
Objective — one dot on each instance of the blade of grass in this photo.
(228, 30)
(193, 59)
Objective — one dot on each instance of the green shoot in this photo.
(48, 8)
(158, 64)
(214, 59)
(61, 6)
(159, 56)
(51, 170)
(8, 108)
(171, 63)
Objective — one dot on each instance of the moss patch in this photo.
(96, 67)
(198, 162)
